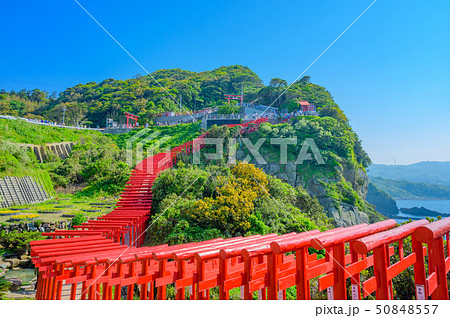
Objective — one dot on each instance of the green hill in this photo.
(382, 201)
(91, 103)
(340, 184)
(406, 190)
(434, 172)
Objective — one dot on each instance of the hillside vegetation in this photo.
(339, 183)
(381, 200)
(97, 163)
(19, 131)
(406, 190)
(194, 204)
(91, 103)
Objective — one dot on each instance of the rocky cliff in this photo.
(344, 214)
(382, 201)
(340, 183)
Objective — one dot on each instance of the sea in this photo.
(442, 206)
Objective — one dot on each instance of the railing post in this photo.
(355, 280)
(339, 288)
(161, 293)
(303, 289)
(181, 293)
(380, 265)
(419, 269)
(441, 291)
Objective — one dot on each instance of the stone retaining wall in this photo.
(21, 190)
(61, 149)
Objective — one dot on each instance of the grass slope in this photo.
(19, 131)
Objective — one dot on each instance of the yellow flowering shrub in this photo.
(230, 210)
(25, 216)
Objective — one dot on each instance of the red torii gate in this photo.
(132, 117)
(240, 97)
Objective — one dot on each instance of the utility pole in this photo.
(180, 104)
(64, 115)
(242, 95)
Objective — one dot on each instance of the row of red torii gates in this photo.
(105, 259)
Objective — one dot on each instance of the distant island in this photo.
(422, 212)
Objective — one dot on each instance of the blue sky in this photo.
(389, 72)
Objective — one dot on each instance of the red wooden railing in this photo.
(103, 258)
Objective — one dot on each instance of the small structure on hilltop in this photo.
(307, 107)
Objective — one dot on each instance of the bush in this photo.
(99, 163)
(226, 202)
(79, 219)
(19, 240)
(4, 284)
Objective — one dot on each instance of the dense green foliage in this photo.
(142, 95)
(79, 219)
(4, 285)
(231, 108)
(338, 144)
(193, 204)
(97, 163)
(20, 239)
(340, 148)
(406, 190)
(23, 103)
(91, 103)
(278, 94)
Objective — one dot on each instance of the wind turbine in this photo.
(395, 161)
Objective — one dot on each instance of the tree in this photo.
(277, 82)
(334, 112)
(305, 80)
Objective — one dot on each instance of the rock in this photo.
(28, 287)
(25, 263)
(345, 215)
(5, 265)
(16, 282)
(23, 250)
(13, 261)
(10, 255)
